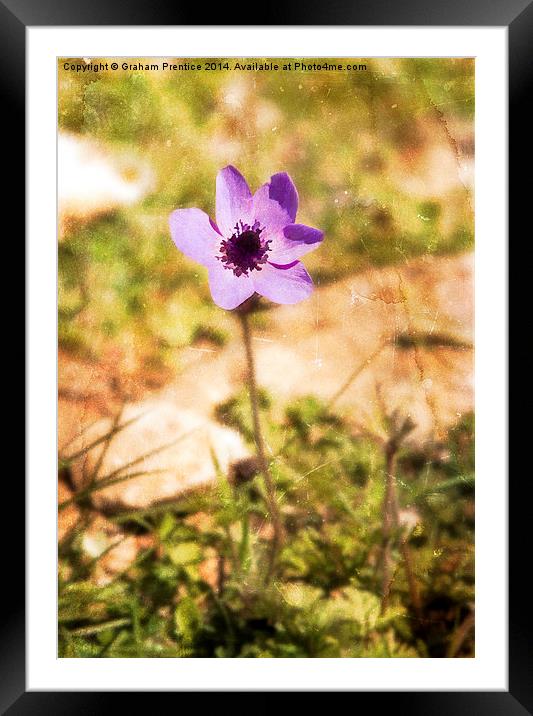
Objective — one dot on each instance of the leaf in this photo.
(387, 647)
(458, 481)
(354, 605)
(300, 595)
(167, 526)
(184, 553)
(187, 619)
(85, 601)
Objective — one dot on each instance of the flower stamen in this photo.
(245, 250)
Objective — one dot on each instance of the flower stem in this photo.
(275, 514)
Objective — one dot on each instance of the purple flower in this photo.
(254, 246)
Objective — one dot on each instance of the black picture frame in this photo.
(517, 15)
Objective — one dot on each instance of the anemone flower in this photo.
(255, 244)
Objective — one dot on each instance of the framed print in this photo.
(266, 271)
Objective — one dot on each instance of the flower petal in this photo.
(296, 240)
(283, 284)
(272, 217)
(233, 200)
(283, 191)
(229, 291)
(194, 235)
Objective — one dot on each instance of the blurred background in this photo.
(162, 524)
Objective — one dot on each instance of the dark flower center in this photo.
(249, 242)
(245, 250)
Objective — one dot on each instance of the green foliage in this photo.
(188, 620)
(326, 599)
(235, 412)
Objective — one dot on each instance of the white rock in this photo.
(170, 451)
(92, 179)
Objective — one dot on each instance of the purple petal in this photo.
(283, 191)
(272, 217)
(193, 234)
(283, 284)
(233, 200)
(296, 240)
(213, 224)
(229, 291)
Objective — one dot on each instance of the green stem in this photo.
(275, 514)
